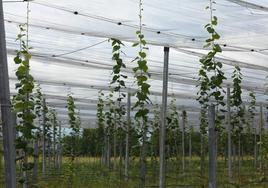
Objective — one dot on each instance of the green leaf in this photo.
(216, 36)
(17, 60)
(214, 20)
(135, 44)
(142, 54)
(210, 30)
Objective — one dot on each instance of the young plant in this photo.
(173, 125)
(210, 79)
(210, 74)
(155, 131)
(252, 106)
(141, 75)
(24, 105)
(38, 113)
(118, 83)
(75, 127)
(237, 120)
(252, 113)
(55, 141)
(51, 132)
(236, 101)
(100, 122)
(110, 127)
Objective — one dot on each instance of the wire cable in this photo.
(80, 49)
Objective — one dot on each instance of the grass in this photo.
(89, 173)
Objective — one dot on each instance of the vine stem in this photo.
(27, 25)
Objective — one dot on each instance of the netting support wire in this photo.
(81, 49)
(127, 136)
(229, 134)
(7, 122)
(249, 5)
(225, 60)
(212, 147)
(163, 120)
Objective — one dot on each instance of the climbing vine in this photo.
(73, 122)
(210, 79)
(141, 74)
(252, 106)
(155, 130)
(100, 120)
(141, 78)
(110, 128)
(24, 104)
(173, 116)
(55, 133)
(118, 76)
(38, 102)
(251, 111)
(173, 130)
(236, 102)
(118, 82)
(210, 74)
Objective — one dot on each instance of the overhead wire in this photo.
(117, 22)
(80, 49)
(224, 45)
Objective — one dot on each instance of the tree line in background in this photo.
(90, 143)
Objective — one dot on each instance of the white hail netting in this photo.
(71, 52)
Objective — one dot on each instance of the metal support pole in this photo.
(229, 134)
(212, 146)
(7, 123)
(127, 136)
(163, 122)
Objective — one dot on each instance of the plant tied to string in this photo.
(252, 106)
(109, 118)
(73, 122)
(154, 130)
(210, 80)
(46, 122)
(100, 109)
(173, 116)
(100, 120)
(118, 81)
(236, 101)
(109, 115)
(141, 73)
(143, 91)
(24, 103)
(210, 74)
(38, 102)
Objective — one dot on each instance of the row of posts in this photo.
(211, 132)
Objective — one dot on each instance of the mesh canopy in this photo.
(71, 52)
